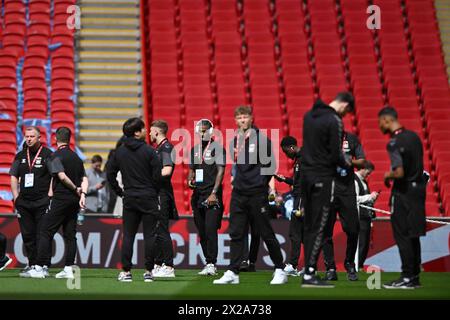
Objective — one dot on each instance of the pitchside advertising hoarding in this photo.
(99, 241)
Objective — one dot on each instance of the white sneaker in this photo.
(25, 272)
(45, 270)
(290, 270)
(125, 277)
(37, 272)
(67, 273)
(279, 277)
(229, 277)
(209, 270)
(165, 272)
(156, 269)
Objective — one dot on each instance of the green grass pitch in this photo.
(103, 284)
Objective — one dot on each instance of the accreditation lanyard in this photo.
(31, 164)
(161, 143)
(398, 131)
(239, 148)
(204, 152)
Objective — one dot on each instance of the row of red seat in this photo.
(32, 41)
(434, 89)
(284, 55)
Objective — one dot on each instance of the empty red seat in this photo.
(6, 206)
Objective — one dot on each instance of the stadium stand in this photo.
(278, 56)
(35, 42)
(200, 59)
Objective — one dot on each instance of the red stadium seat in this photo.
(6, 206)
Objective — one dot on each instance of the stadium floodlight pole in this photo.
(390, 213)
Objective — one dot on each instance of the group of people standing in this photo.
(48, 188)
(324, 184)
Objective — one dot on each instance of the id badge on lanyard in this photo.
(199, 175)
(29, 177)
(29, 180)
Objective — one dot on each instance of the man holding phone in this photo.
(345, 203)
(98, 194)
(367, 198)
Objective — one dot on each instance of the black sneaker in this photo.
(401, 283)
(352, 275)
(331, 275)
(5, 262)
(416, 282)
(251, 267)
(244, 266)
(315, 282)
(148, 277)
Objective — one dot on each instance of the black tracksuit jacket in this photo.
(322, 141)
(140, 168)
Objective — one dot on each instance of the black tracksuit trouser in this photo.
(317, 194)
(250, 253)
(61, 213)
(296, 226)
(135, 211)
(163, 242)
(408, 225)
(243, 207)
(208, 221)
(346, 205)
(30, 215)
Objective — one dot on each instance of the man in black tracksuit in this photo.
(31, 170)
(292, 151)
(206, 170)
(69, 187)
(407, 197)
(321, 155)
(163, 245)
(367, 198)
(141, 172)
(255, 167)
(345, 204)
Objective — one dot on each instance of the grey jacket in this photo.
(97, 200)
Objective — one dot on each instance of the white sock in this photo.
(68, 269)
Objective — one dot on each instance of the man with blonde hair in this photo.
(30, 183)
(254, 167)
(163, 253)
